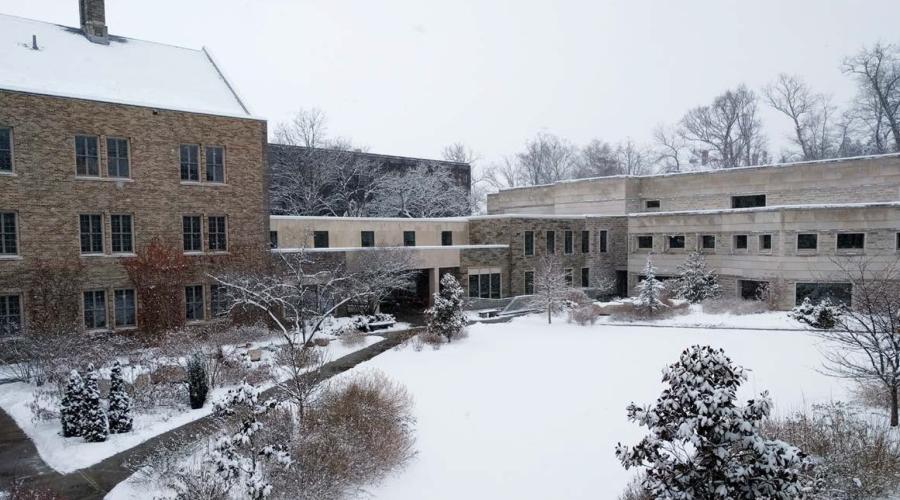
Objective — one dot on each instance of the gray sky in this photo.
(410, 76)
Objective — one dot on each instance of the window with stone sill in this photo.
(529, 243)
(125, 308)
(807, 241)
(645, 242)
(676, 242)
(568, 242)
(740, 242)
(8, 236)
(851, 241)
(193, 303)
(91, 233)
(10, 315)
(87, 156)
(765, 243)
(117, 160)
(215, 164)
(6, 153)
(190, 162)
(708, 242)
(121, 233)
(94, 309)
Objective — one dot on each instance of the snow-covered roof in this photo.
(127, 71)
(375, 249)
(771, 208)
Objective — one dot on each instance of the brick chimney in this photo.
(93, 20)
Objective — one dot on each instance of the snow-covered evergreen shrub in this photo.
(120, 419)
(702, 444)
(198, 380)
(649, 291)
(445, 317)
(70, 410)
(695, 280)
(94, 424)
(822, 315)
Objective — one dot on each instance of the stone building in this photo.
(784, 227)
(107, 143)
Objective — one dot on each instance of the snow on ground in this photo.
(522, 410)
(70, 454)
(696, 317)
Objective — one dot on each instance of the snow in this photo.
(771, 208)
(127, 71)
(696, 318)
(522, 410)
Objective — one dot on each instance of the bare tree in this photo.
(865, 343)
(547, 159)
(421, 192)
(596, 159)
(550, 285)
(729, 127)
(459, 152)
(504, 174)
(670, 146)
(877, 70)
(633, 159)
(308, 127)
(811, 115)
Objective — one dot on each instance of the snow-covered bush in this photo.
(695, 280)
(445, 317)
(856, 456)
(702, 444)
(94, 424)
(649, 291)
(120, 419)
(198, 380)
(70, 410)
(362, 322)
(585, 314)
(822, 315)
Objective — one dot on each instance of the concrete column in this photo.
(434, 283)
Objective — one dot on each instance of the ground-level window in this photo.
(8, 239)
(765, 242)
(409, 238)
(568, 242)
(740, 241)
(447, 238)
(840, 293)
(484, 285)
(748, 201)
(5, 149)
(10, 315)
(708, 242)
(568, 274)
(807, 241)
(91, 231)
(851, 241)
(603, 241)
(367, 239)
(121, 233)
(219, 300)
(193, 302)
(753, 290)
(95, 309)
(125, 308)
(87, 159)
(676, 241)
(551, 242)
(585, 242)
(192, 233)
(529, 282)
(217, 234)
(645, 242)
(585, 277)
(273, 239)
(529, 242)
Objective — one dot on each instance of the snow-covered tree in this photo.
(94, 425)
(120, 406)
(198, 380)
(649, 290)
(424, 191)
(71, 407)
(550, 285)
(445, 317)
(696, 281)
(702, 444)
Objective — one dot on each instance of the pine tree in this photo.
(198, 382)
(649, 290)
(702, 444)
(71, 406)
(120, 419)
(94, 425)
(445, 317)
(696, 281)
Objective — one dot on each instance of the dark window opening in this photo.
(219, 301)
(217, 234)
(192, 233)
(367, 239)
(765, 242)
(409, 238)
(8, 238)
(652, 204)
(121, 233)
(473, 286)
(585, 242)
(273, 239)
(10, 315)
(91, 234)
(551, 242)
(851, 241)
(95, 309)
(840, 293)
(754, 290)
(529, 282)
(190, 162)
(645, 242)
(807, 241)
(447, 238)
(485, 286)
(215, 164)
(87, 157)
(748, 201)
(740, 241)
(585, 277)
(125, 308)
(568, 275)
(603, 237)
(5, 150)
(117, 157)
(529, 242)
(193, 302)
(568, 242)
(708, 242)
(320, 239)
(676, 241)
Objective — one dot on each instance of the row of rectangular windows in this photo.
(94, 308)
(805, 241)
(118, 158)
(528, 279)
(121, 234)
(366, 239)
(740, 201)
(568, 242)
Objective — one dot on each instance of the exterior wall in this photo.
(343, 232)
(48, 197)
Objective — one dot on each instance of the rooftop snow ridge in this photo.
(771, 208)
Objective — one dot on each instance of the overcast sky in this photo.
(407, 77)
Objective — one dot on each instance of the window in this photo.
(484, 285)
(645, 242)
(603, 237)
(95, 309)
(8, 238)
(91, 233)
(367, 238)
(87, 160)
(840, 293)
(898, 241)
(676, 241)
(273, 239)
(851, 241)
(121, 233)
(320, 239)
(190, 163)
(217, 234)
(807, 241)
(568, 275)
(651, 204)
(10, 315)
(585, 242)
(585, 277)
(495, 285)
(192, 233)
(753, 290)
(447, 238)
(409, 238)
(708, 242)
(529, 282)
(219, 301)
(193, 303)
(740, 242)
(551, 242)
(215, 164)
(5, 149)
(473, 286)
(765, 242)
(529, 242)
(125, 308)
(567, 242)
(748, 201)
(117, 157)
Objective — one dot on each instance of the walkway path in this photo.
(19, 459)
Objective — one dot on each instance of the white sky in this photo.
(407, 77)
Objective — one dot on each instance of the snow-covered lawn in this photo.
(522, 410)
(696, 317)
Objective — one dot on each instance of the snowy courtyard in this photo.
(530, 411)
